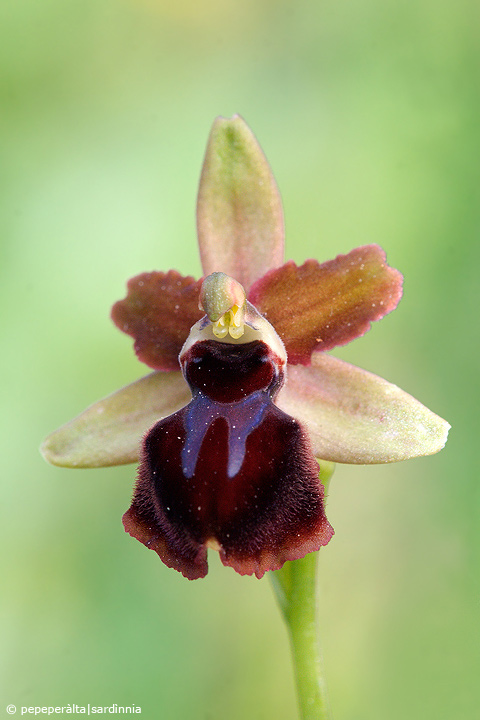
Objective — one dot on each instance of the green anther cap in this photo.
(223, 300)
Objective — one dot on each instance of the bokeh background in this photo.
(368, 113)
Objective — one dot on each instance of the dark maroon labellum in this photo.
(230, 470)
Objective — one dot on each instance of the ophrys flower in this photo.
(228, 460)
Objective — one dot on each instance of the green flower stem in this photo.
(295, 589)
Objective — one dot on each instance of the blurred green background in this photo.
(368, 113)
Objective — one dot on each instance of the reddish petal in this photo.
(159, 310)
(316, 307)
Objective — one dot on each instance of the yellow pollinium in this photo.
(231, 323)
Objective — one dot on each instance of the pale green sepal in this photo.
(356, 417)
(110, 431)
(239, 209)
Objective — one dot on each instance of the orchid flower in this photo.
(244, 396)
